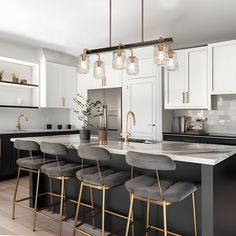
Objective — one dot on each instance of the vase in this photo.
(84, 134)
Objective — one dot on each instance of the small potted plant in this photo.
(1, 74)
(87, 110)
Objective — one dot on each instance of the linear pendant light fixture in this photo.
(163, 53)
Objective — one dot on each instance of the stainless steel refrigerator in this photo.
(112, 110)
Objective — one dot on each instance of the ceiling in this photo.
(71, 25)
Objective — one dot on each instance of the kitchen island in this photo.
(211, 166)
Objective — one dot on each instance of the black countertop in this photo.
(210, 135)
(37, 131)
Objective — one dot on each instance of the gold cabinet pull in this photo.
(187, 97)
(183, 97)
(63, 101)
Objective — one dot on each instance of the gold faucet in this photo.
(126, 134)
(18, 126)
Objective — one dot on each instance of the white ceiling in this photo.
(71, 25)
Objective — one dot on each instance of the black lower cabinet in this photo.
(8, 168)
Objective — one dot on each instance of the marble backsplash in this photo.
(220, 120)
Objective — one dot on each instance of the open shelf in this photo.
(18, 84)
(15, 106)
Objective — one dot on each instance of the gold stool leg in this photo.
(50, 189)
(92, 203)
(132, 227)
(64, 202)
(15, 193)
(194, 214)
(103, 210)
(61, 204)
(36, 199)
(164, 218)
(130, 213)
(147, 217)
(78, 206)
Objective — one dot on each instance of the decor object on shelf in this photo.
(132, 67)
(23, 81)
(84, 62)
(1, 74)
(84, 114)
(20, 101)
(119, 57)
(14, 78)
(161, 49)
(99, 69)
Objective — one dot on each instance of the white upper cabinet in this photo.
(196, 84)
(186, 88)
(222, 67)
(59, 86)
(175, 83)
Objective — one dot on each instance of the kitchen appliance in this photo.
(183, 123)
(111, 111)
(198, 126)
(189, 125)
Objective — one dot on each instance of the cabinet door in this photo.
(223, 66)
(175, 84)
(53, 88)
(68, 85)
(196, 84)
(141, 99)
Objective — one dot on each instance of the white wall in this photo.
(38, 118)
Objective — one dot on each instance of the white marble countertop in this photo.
(208, 154)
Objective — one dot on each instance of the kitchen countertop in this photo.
(35, 131)
(208, 154)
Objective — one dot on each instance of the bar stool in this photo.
(99, 178)
(31, 164)
(61, 170)
(153, 190)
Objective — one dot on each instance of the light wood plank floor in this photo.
(22, 225)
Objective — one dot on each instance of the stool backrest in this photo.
(26, 145)
(94, 153)
(150, 161)
(54, 148)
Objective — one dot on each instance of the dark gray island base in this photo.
(215, 199)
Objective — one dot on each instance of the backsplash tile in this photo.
(221, 120)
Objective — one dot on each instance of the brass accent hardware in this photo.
(126, 134)
(183, 97)
(187, 97)
(63, 101)
(18, 125)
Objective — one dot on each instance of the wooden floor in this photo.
(22, 225)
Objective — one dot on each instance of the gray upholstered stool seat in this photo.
(34, 162)
(110, 177)
(147, 187)
(66, 169)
